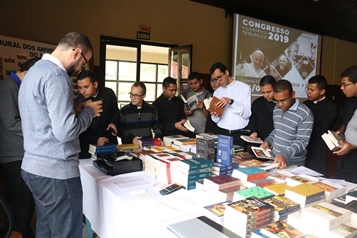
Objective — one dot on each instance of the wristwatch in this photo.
(232, 101)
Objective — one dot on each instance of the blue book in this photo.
(221, 167)
(196, 163)
(224, 150)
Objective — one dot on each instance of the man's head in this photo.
(293, 51)
(87, 83)
(169, 87)
(284, 96)
(316, 88)
(258, 59)
(266, 87)
(26, 66)
(220, 73)
(74, 50)
(349, 81)
(137, 93)
(283, 62)
(195, 82)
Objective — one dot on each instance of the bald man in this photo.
(254, 68)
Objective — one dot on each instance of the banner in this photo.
(14, 52)
(264, 48)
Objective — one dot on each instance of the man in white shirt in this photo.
(235, 97)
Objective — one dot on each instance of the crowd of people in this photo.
(44, 132)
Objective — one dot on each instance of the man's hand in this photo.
(179, 125)
(264, 145)
(102, 141)
(137, 141)
(187, 112)
(223, 101)
(200, 105)
(281, 161)
(346, 148)
(78, 107)
(254, 135)
(113, 129)
(96, 105)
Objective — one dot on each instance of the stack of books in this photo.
(168, 140)
(252, 192)
(216, 211)
(219, 169)
(150, 142)
(283, 206)
(107, 149)
(305, 194)
(242, 217)
(280, 176)
(277, 188)
(221, 182)
(259, 182)
(187, 172)
(249, 174)
(332, 190)
(158, 166)
(299, 179)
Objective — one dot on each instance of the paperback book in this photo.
(263, 153)
(224, 150)
(190, 102)
(251, 140)
(333, 140)
(221, 182)
(211, 105)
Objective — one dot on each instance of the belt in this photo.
(238, 131)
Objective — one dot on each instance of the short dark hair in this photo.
(86, 73)
(350, 73)
(320, 81)
(282, 85)
(141, 85)
(167, 81)
(28, 64)
(74, 40)
(218, 65)
(267, 79)
(194, 75)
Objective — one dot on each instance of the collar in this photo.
(54, 60)
(294, 106)
(96, 95)
(315, 102)
(16, 78)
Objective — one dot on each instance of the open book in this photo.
(251, 140)
(262, 153)
(333, 140)
(189, 126)
(210, 104)
(190, 102)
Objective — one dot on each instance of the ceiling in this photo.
(334, 18)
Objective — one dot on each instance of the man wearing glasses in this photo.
(103, 129)
(235, 97)
(346, 164)
(51, 128)
(293, 123)
(138, 119)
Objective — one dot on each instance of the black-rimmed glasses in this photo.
(86, 61)
(135, 95)
(218, 77)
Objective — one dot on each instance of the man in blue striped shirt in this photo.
(293, 122)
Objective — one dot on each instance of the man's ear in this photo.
(96, 84)
(144, 96)
(322, 92)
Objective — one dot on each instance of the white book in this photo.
(263, 153)
(345, 230)
(299, 179)
(332, 190)
(188, 125)
(325, 216)
(190, 102)
(251, 140)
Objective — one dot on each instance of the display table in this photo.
(129, 205)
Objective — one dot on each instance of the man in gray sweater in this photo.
(18, 195)
(51, 129)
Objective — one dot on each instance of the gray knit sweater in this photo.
(49, 124)
(292, 131)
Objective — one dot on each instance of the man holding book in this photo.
(325, 114)
(197, 116)
(346, 164)
(293, 122)
(138, 119)
(235, 99)
(103, 129)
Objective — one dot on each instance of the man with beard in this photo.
(51, 129)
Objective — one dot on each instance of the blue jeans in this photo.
(58, 205)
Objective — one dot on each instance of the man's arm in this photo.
(10, 114)
(156, 125)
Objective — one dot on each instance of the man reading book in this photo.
(198, 116)
(293, 122)
(235, 97)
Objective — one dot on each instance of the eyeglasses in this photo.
(345, 85)
(134, 95)
(218, 78)
(86, 61)
(284, 101)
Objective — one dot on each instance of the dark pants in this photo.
(346, 167)
(235, 134)
(20, 199)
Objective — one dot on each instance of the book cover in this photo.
(250, 163)
(252, 192)
(168, 140)
(189, 126)
(280, 176)
(251, 140)
(286, 202)
(196, 163)
(249, 173)
(211, 105)
(299, 179)
(216, 211)
(333, 141)
(127, 147)
(224, 149)
(262, 153)
(185, 141)
(278, 188)
(332, 190)
(190, 102)
(104, 149)
(221, 167)
(241, 156)
(221, 182)
(304, 193)
(345, 230)
(278, 229)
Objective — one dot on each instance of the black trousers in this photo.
(347, 167)
(20, 199)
